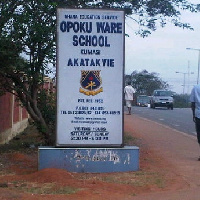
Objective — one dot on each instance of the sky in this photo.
(165, 53)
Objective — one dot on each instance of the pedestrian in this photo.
(129, 96)
(195, 106)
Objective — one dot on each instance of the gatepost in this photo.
(90, 71)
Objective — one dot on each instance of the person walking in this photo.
(195, 106)
(129, 96)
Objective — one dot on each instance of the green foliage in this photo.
(129, 140)
(27, 141)
(30, 29)
(145, 83)
(9, 53)
(181, 101)
(47, 105)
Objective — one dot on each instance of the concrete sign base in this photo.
(90, 160)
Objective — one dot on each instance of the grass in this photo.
(25, 141)
(30, 137)
(50, 188)
(136, 179)
(129, 139)
(45, 188)
(140, 178)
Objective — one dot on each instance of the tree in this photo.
(145, 83)
(27, 41)
(181, 100)
(29, 29)
(149, 15)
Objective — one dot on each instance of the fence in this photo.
(13, 118)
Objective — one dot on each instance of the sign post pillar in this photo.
(90, 72)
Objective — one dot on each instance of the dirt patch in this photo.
(20, 179)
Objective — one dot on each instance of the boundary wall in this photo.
(13, 118)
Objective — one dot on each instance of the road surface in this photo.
(179, 118)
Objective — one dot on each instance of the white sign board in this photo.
(90, 70)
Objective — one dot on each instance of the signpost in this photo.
(90, 70)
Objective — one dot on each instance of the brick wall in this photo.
(13, 118)
(5, 112)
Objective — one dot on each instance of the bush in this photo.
(181, 101)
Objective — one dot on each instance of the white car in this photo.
(162, 98)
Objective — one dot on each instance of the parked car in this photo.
(143, 100)
(162, 98)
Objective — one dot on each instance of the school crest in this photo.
(91, 82)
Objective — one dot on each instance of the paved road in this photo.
(179, 118)
(175, 157)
